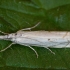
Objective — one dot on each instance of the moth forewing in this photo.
(43, 38)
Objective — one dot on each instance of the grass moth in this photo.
(46, 39)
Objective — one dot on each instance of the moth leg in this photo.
(50, 51)
(34, 50)
(7, 47)
(30, 27)
(3, 32)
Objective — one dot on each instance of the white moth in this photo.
(46, 39)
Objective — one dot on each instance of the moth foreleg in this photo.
(30, 27)
(7, 47)
(3, 32)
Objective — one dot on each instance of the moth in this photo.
(46, 39)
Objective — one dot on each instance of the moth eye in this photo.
(15, 33)
(48, 39)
